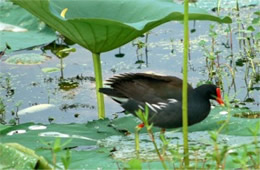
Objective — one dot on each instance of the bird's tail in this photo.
(115, 95)
(110, 92)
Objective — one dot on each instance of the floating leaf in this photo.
(64, 52)
(27, 59)
(68, 85)
(20, 29)
(50, 69)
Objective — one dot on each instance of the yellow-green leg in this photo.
(137, 144)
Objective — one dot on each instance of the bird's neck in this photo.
(199, 107)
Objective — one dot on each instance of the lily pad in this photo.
(20, 29)
(87, 134)
(50, 69)
(27, 59)
(67, 85)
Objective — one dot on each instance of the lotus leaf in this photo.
(103, 25)
(20, 30)
(16, 156)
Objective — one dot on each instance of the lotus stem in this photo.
(185, 85)
(99, 84)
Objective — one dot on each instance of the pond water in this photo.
(200, 145)
(30, 85)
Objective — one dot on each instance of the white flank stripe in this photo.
(158, 107)
(173, 100)
(141, 107)
(162, 104)
(151, 107)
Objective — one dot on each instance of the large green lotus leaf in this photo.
(3, 127)
(20, 29)
(103, 25)
(16, 156)
(81, 134)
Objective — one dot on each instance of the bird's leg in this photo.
(137, 145)
(164, 141)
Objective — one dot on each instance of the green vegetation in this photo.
(227, 139)
(96, 140)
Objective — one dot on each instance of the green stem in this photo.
(99, 84)
(54, 160)
(164, 141)
(185, 84)
(219, 2)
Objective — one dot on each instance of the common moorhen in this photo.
(163, 96)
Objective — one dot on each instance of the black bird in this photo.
(163, 96)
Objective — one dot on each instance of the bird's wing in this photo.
(147, 88)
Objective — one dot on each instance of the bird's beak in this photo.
(220, 101)
(219, 98)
